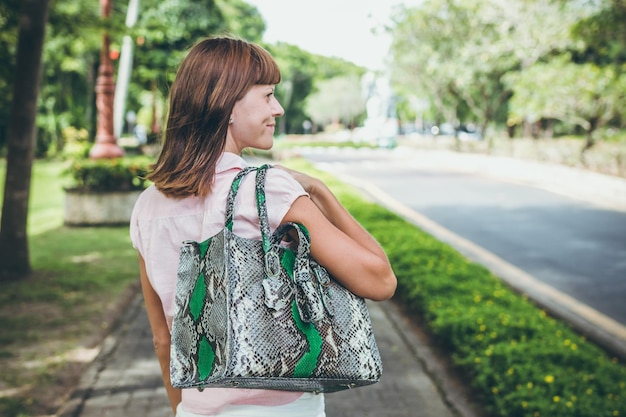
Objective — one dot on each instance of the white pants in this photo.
(308, 405)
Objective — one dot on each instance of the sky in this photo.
(336, 28)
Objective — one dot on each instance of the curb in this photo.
(453, 393)
(597, 327)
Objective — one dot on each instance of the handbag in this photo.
(264, 314)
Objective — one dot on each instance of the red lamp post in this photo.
(106, 144)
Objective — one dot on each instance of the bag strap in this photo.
(261, 206)
(266, 236)
(268, 239)
(230, 200)
(308, 276)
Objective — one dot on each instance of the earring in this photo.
(230, 121)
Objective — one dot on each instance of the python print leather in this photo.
(259, 314)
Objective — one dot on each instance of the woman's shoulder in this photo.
(281, 190)
(153, 203)
(149, 197)
(278, 178)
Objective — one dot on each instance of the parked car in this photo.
(468, 133)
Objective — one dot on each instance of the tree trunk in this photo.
(14, 255)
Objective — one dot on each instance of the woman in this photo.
(221, 102)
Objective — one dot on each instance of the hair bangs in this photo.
(267, 68)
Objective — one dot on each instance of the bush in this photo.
(520, 361)
(118, 174)
(76, 143)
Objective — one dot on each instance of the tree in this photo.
(14, 255)
(301, 73)
(337, 99)
(456, 52)
(9, 24)
(71, 53)
(242, 19)
(165, 31)
(297, 69)
(604, 34)
(585, 95)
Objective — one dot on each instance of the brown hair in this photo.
(215, 74)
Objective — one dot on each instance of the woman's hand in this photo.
(339, 242)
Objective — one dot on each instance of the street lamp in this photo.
(106, 144)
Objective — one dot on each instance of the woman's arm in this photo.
(340, 243)
(160, 333)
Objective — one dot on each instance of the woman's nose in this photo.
(278, 109)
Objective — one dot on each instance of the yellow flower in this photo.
(556, 398)
(524, 404)
(549, 379)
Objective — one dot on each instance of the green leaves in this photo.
(454, 53)
(120, 174)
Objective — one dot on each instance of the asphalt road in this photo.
(574, 246)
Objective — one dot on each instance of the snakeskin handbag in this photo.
(263, 314)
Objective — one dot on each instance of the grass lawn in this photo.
(53, 320)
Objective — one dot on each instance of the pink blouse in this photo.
(160, 224)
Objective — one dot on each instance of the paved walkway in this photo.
(125, 379)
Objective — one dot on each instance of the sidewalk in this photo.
(125, 379)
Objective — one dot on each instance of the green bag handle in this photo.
(309, 277)
(230, 201)
(261, 206)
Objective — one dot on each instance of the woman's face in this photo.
(254, 120)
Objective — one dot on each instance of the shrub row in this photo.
(519, 360)
(118, 174)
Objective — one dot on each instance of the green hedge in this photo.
(117, 174)
(519, 360)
